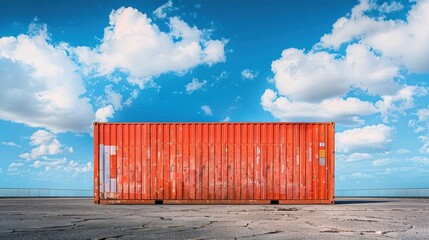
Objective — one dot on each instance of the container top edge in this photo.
(107, 123)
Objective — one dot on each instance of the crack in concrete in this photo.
(262, 234)
(205, 225)
(43, 229)
(247, 226)
(361, 220)
(114, 236)
(311, 224)
(336, 230)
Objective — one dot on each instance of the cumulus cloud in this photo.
(226, 119)
(133, 95)
(41, 84)
(104, 113)
(121, 48)
(51, 164)
(316, 76)
(355, 157)
(10, 144)
(249, 74)
(366, 66)
(207, 110)
(161, 12)
(393, 6)
(419, 160)
(45, 143)
(399, 102)
(425, 148)
(15, 167)
(387, 7)
(74, 166)
(360, 175)
(381, 162)
(372, 138)
(423, 114)
(345, 111)
(61, 165)
(422, 122)
(194, 85)
(113, 97)
(402, 151)
(405, 41)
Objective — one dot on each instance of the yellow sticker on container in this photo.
(322, 153)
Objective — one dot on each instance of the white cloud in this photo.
(41, 137)
(413, 124)
(378, 52)
(45, 143)
(373, 138)
(15, 167)
(194, 85)
(399, 102)
(10, 144)
(104, 113)
(61, 165)
(419, 160)
(425, 148)
(79, 168)
(381, 162)
(41, 84)
(113, 97)
(355, 157)
(133, 95)
(1, 170)
(207, 110)
(423, 114)
(223, 75)
(161, 12)
(404, 41)
(249, 74)
(236, 105)
(345, 111)
(315, 76)
(402, 151)
(308, 77)
(390, 7)
(356, 25)
(360, 175)
(422, 122)
(226, 119)
(306, 82)
(50, 164)
(179, 50)
(397, 170)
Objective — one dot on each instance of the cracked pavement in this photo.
(55, 218)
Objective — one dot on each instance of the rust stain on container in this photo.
(214, 163)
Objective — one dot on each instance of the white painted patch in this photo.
(107, 184)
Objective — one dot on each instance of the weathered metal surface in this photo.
(214, 163)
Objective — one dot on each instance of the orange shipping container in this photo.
(214, 163)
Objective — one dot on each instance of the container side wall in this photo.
(214, 162)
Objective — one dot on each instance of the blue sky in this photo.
(363, 64)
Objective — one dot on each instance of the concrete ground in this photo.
(44, 218)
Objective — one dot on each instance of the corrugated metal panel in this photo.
(214, 163)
